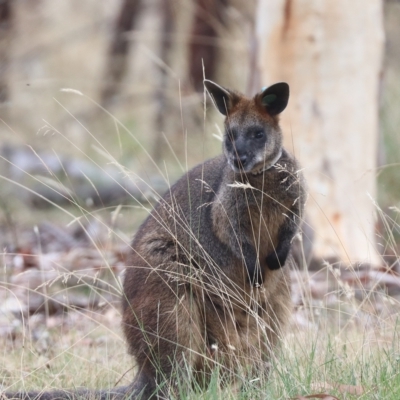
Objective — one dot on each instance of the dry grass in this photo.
(345, 342)
(70, 350)
(86, 349)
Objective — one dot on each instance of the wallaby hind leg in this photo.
(143, 387)
(165, 333)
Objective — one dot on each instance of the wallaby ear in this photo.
(275, 98)
(222, 98)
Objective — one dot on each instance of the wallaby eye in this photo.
(259, 135)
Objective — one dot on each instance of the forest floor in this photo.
(60, 320)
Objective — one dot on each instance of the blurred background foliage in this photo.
(102, 100)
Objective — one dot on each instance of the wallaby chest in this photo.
(257, 205)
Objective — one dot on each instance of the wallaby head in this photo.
(253, 139)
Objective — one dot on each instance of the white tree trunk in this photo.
(330, 53)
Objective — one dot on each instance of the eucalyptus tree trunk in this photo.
(330, 53)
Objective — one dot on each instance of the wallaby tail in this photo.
(118, 393)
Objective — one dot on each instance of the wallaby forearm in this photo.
(277, 258)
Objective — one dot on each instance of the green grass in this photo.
(87, 350)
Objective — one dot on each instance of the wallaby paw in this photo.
(273, 262)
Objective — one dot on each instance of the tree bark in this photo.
(117, 56)
(5, 41)
(168, 23)
(330, 53)
(208, 19)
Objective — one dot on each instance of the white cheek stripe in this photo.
(271, 164)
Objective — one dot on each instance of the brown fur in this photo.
(189, 305)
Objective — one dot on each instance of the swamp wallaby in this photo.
(207, 286)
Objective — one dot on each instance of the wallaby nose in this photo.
(240, 161)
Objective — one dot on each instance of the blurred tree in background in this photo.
(208, 23)
(5, 43)
(331, 52)
(117, 57)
